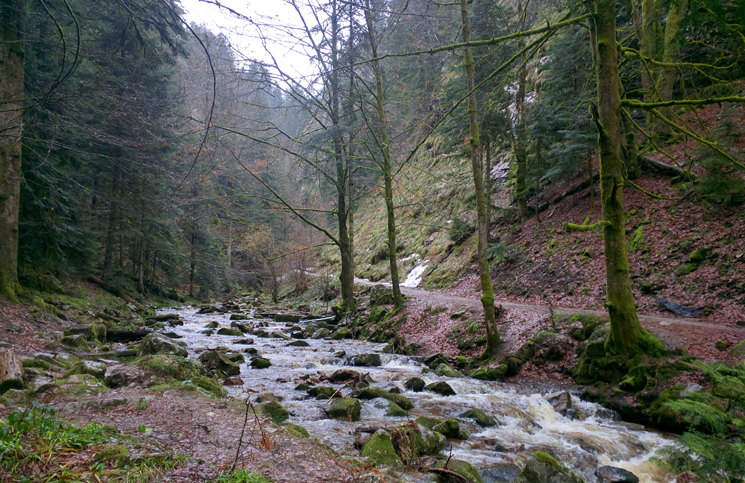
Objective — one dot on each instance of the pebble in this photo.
(210, 414)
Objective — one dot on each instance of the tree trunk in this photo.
(192, 259)
(346, 278)
(624, 323)
(648, 49)
(12, 53)
(675, 14)
(350, 155)
(488, 182)
(521, 155)
(387, 171)
(108, 258)
(11, 376)
(487, 292)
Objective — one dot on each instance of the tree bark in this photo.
(11, 376)
(668, 74)
(108, 258)
(521, 155)
(12, 54)
(487, 292)
(398, 299)
(488, 181)
(624, 323)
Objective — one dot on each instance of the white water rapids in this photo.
(529, 422)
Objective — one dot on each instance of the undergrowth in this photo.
(242, 476)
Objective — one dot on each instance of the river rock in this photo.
(77, 341)
(442, 388)
(436, 359)
(446, 371)
(361, 438)
(611, 474)
(374, 392)
(266, 397)
(450, 428)
(245, 341)
(464, 469)
(238, 317)
(490, 374)
(481, 418)
(159, 344)
(279, 335)
(250, 351)
(287, 318)
(298, 343)
(276, 411)
(344, 375)
(296, 430)
(415, 384)
(320, 334)
(93, 368)
(344, 408)
(232, 381)
(380, 450)
(559, 400)
(367, 360)
(229, 331)
(322, 392)
(390, 408)
(91, 332)
(242, 327)
(235, 357)
(544, 468)
(212, 325)
(215, 360)
(259, 362)
(341, 334)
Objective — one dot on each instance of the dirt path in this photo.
(651, 322)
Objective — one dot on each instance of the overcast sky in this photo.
(243, 36)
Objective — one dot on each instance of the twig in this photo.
(243, 430)
(451, 455)
(337, 392)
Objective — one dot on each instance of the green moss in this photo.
(548, 459)
(210, 385)
(276, 411)
(481, 418)
(344, 408)
(463, 468)
(637, 240)
(380, 450)
(296, 430)
(375, 392)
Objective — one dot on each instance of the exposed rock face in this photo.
(159, 344)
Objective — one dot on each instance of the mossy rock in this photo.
(302, 387)
(36, 363)
(321, 392)
(415, 384)
(212, 325)
(412, 441)
(428, 422)
(217, 361)
(118, 455)
(481, 418)
(77, 341)
(238, 317)
(633, 383)
(321, 334)
(436, 359)
(92, 368)
(259, 362)
(490, 374)
(242, 327)
(276, 411)
(450, 428)
(463, 468)
(442, 388)
(210, 385)
(298, 343)
(722, 345)
(699, 256)
(229, 331)
(341, 334)
(544, 468)
(445, 370)
(287, 318)
(279, 335)
(345, 408)
(380, 450)
(368, 360)
(296, 430)
(155, 343)
(375, 392)
(376, 315)
(738, 350)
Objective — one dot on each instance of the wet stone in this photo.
(442, 388)
(611, 474)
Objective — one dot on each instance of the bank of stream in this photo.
(527, 421)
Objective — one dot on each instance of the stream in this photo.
(529, 422)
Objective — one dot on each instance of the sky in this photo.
(245, 37)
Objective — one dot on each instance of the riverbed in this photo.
(529, 423)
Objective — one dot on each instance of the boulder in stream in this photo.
(415, 384)
(367, 360)
(213, 324)
(611, 474)
(442, 388)
(215, 360)
(391, 409)
(481, 418)
(159, 344)
(322, 392)
(259, 362)
(543, 467)
(463, 468)
(490, 373)
(450, 428)
(242, 327)
(276, 411)
(238, 317)
(279, 335)
(229, 331)
(374, 392)
(344, 375)
(298, 343)
(287, 318)
(341, 334)
(345, 408)
(380, 450)
(446, 371)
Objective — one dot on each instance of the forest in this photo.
(470, 241)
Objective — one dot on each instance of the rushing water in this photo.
(529, 422)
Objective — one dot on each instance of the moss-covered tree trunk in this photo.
(346, 277)
(487, 180)
(386, 165)
(487, 292)
(12, 52)
(669, 71)
(521, 152)
(625, 328)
